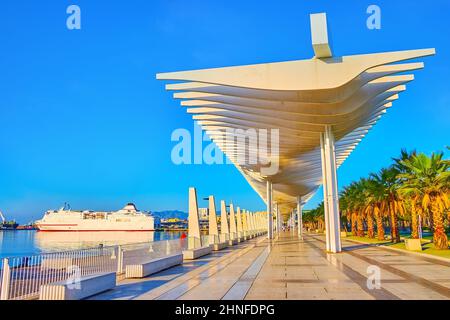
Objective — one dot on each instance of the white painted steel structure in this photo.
(323, 107)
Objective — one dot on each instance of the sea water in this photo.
(21, 243)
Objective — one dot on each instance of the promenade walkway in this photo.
(290, 268)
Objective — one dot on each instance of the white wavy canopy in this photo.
(299, 98)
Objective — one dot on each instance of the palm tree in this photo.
(428, 180)
(315, 218)
(412, 200)
(346, 207)
(390, 200)
(374, 192)
(409, 199)
(345, 210)
(361, 207)
(352, 199)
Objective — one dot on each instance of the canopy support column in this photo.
(331, 196)
(299, 218)
(277, 212)
(269, 210)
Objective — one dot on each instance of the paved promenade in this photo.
(289, 268)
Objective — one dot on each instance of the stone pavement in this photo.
(290, 268)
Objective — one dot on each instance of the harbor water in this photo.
(17, 243)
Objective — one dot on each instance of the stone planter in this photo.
(413, 244)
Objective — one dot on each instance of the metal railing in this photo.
(140, 253)
(22, 277)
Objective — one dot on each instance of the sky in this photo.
(83, 119)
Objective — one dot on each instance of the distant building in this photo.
(203, 213)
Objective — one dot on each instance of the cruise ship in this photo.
(126, 219)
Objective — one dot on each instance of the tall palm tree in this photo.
(428, 179)
(315, 218)
(374, 192)
(352, 199)
(410, 199)
(361, 206)
(345, 203)
(391, 203)
(371, 207)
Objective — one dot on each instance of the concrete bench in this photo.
(219, 246)
(86, 286)
(153, 266)
(192, 254)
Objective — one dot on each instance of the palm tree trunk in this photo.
(370, 231)
(414, 224)
(440, 239)
(395, 235)
(380, 227)
(354, 218)
(360, 222)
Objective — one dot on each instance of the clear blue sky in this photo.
(83, 119)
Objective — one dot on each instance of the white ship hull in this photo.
(96, 227)
(122, 220)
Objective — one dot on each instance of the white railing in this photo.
(204, 240)
(22, 277)
(140, 253)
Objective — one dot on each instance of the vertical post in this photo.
(239, 224)
(6, 278)
(261, 223)
(333, 196)
(299, 217)
(233, 229)
(168, 249)
(194, 238)
(119, 260)
(224, 221)
(245, 224)
(325, 191)
(278, 217)
(293, 220)
(252, 223)
(254, 227)
(249, 225)
(213, 229)
(269, 210)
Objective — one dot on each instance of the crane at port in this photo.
(7, 225)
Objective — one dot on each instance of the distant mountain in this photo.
(171, 214)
